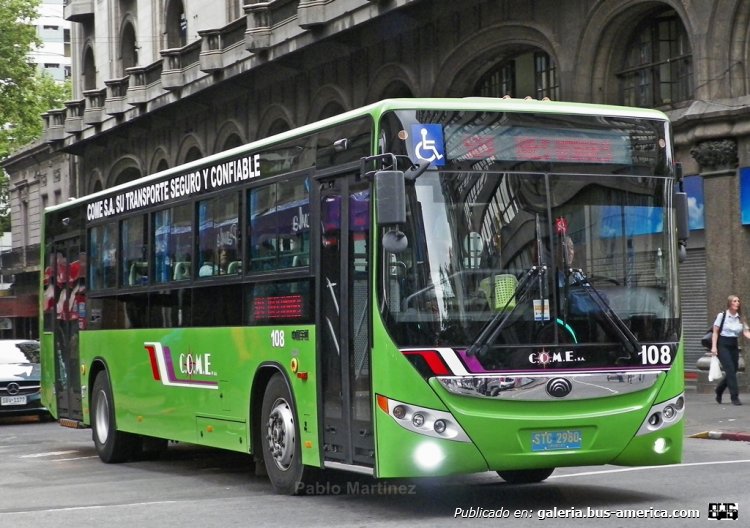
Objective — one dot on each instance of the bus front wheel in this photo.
(112, 445)
(525, 476)
(280, 442)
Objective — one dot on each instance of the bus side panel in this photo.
(406, 454)
(675, 382)
(663, 446)
(194, 384)
(49, 399)
(399, 452)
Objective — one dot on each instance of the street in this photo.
(52, 477)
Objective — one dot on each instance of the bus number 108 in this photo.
(656, 355)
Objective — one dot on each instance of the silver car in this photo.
(20, 378)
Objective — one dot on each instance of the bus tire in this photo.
(525, 476)
(280, 440)
(112, 446)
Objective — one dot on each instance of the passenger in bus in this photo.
(208, 268)
(227, 255)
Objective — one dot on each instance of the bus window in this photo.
(219, 237)
(279, 226)
(173, 244)
(134, 270)
(103, 256)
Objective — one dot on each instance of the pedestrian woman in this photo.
(727, 328)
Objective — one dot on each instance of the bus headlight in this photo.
(440, 426)
(663, 415)
(424, 421)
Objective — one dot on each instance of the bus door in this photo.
(343, 319)
(67, 300)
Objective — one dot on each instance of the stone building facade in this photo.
(161, 82)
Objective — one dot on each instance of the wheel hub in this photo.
(280, 434)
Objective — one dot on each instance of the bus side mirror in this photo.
(682, 222)
(390, 188)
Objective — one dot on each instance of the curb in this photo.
(718, 435)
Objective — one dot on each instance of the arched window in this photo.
(127, 175)
(128, 48)
(331, 109)
(395, 90)
(658, 65)
(530, 73)
(499, 81)
(89, 69)
(193, 154)
(162, 165)
(232, 141)
(277, 127)
(176, 25)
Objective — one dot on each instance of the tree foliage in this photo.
(25, 93)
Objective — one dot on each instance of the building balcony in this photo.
(74, 116)
(145, 83)
(94, 112)
(116, 101)
(78, 10)
(312, 13)
(222, 47)
(177, 63)
(258, 32)
(54, 125)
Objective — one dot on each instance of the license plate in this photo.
(556, 440)
(13, 400)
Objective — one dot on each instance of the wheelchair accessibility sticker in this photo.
(428, 144)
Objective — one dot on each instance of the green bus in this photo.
(420, 287)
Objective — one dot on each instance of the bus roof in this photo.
(488, 104)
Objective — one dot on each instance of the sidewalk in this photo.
(704, 418)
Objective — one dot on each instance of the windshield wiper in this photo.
(497, 323)
(627, 337)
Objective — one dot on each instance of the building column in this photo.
(727, 245)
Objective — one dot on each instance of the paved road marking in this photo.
(48, 454)
(80, 508)
(644, 468)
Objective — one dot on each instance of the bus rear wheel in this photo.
(112, 445)
(525, 476)
(280, 441)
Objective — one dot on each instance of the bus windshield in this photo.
(532, 259)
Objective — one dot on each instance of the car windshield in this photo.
(524, 258)
(12, 352)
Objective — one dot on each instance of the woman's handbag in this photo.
(707, 339)
(714, 370)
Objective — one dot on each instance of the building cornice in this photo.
(191, 70)
(710, 120)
